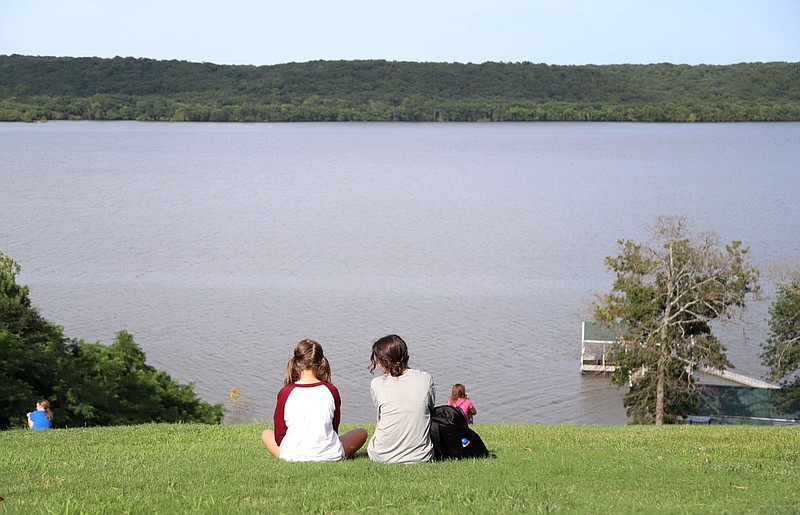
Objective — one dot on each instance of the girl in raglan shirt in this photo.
(306, 419)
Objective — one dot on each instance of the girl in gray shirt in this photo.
(404, 398)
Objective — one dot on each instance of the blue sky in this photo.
(270, 32)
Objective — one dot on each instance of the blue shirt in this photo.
(39, 418)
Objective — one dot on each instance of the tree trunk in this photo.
(661, 378)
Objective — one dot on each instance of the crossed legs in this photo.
(352, 441)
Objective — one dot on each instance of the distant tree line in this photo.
(66, 88)
(87, 384)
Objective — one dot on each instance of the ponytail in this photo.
(292, 372)
(46, 405)
(323, 370)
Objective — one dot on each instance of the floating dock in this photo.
(595, 342)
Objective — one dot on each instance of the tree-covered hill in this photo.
(33, 88)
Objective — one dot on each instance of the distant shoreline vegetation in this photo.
(67, 88)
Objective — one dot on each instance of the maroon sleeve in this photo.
(277, 419)
(337, 404)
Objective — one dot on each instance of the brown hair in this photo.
(459, 392)
(46, 405)
(391, 353)
(307, 356)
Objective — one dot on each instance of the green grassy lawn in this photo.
(538, 468)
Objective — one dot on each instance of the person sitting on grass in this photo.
(460, 399)
(306, 420)
(42, 418)
(404, 398)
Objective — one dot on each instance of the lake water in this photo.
(219, 246)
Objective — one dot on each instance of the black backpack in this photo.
(452, 437)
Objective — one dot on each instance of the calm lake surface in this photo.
(219, 246)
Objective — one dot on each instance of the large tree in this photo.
(782, 348)
(664, 298)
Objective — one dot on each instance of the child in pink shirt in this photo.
(460, 399)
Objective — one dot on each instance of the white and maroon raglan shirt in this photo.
(307, 422)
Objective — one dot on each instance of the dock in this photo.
(738, 378)
(596, 341)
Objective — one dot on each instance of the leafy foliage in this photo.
(661, 306)
(87, 383)
(782, 348)
(62, 88)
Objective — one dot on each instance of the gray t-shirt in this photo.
(404, 418)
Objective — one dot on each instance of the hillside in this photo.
(180, 468)
(38, 88)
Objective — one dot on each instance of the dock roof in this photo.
(592, 331)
